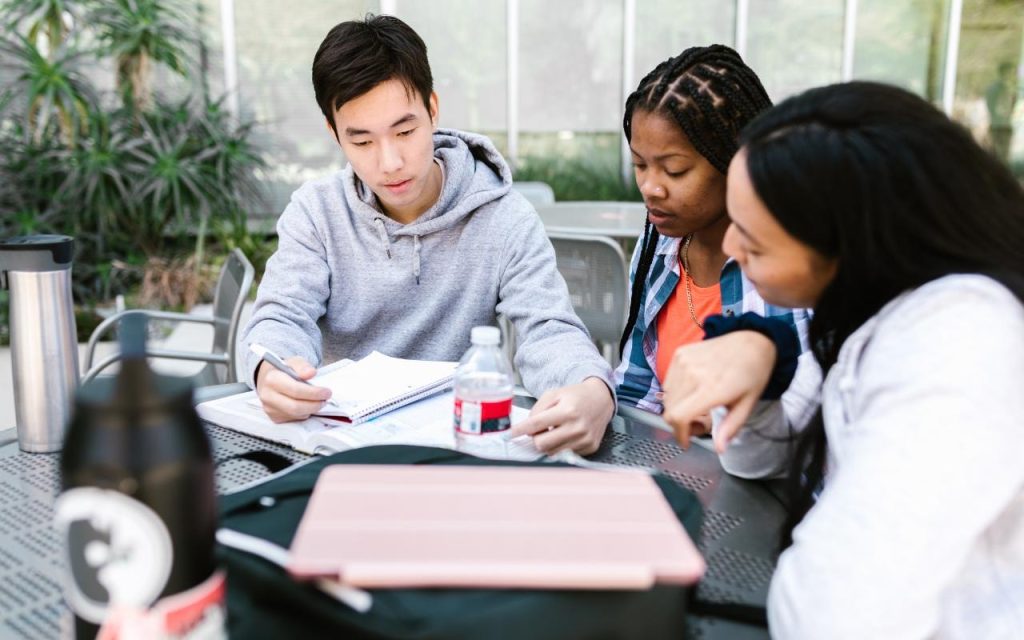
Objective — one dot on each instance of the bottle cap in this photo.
(485, 336)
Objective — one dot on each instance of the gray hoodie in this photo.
(346, 279)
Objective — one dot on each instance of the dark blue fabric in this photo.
(781, 333)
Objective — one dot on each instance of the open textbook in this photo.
(427, 422)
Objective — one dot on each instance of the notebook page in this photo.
(377, 380)
(427, 423)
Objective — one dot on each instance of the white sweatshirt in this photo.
(919, 531)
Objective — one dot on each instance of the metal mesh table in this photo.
(738, 538)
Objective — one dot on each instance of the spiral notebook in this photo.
(370, 387)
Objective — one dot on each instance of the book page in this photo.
(377, 380)
(244, 413)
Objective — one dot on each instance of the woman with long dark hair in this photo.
(682, 124)
(868, 204)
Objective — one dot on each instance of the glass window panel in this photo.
(275, 89)
(988, 74)
(211, 53)
(466, 43)
(902, 43)
(570, 95)
(664, 28)
(174, 87)
(794, 45)
(570, 65)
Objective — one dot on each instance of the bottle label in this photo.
(482, 417)
(196, 614)
(118, 551)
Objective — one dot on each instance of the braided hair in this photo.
(710, 93)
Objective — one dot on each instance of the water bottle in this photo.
(44, 345)
(137, 514)
(483, 389)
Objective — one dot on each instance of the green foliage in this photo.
(578, 166)
(47, 86)
(257, 245)
(136, 33)
(47, 18)
(127, 174)
(578, 178)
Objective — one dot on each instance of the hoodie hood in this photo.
(475, 174)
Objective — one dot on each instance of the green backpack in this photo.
(264, 602)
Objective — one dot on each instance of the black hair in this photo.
(710, 93)
(880, 180)
(358, 55)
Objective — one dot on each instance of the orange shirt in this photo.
(675, 326)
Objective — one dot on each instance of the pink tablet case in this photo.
(384, 526)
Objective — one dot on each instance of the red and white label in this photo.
(197, 614)
(476, 418)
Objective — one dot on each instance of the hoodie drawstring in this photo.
(382, 233)
(416, 258)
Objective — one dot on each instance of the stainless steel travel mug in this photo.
(44, 346)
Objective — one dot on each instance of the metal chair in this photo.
(595, 270)
(538, 193)
(233, 286)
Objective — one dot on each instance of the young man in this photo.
(414, 243)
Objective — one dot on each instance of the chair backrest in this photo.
(595, 270)
(538, 193)
(233, 287)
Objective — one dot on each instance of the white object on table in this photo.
(619, 220)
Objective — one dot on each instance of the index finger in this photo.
(680, 412)
(541, 421)
(286, 386)
(301, 367)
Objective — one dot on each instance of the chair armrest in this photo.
(105, 326)
(198, 356)
(215, 391)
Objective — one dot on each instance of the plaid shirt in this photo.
(635, 380)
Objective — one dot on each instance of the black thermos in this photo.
(138, 509)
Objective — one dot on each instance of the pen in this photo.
(279, 364)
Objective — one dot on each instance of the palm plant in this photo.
(127, 175)
(137, 33)
(96, 177)
(188, 165)
(48, 85)
(49, 19)
(169, 164)
(27, 183)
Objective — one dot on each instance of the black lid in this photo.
(44, 252)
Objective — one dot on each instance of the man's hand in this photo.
(730, 371)
(285, 399)
(573, 417)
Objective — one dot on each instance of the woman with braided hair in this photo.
(682, 124)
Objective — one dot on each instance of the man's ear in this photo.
(434, 112)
